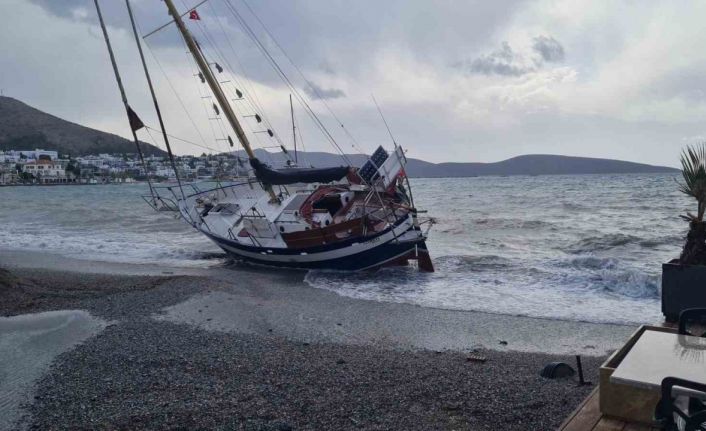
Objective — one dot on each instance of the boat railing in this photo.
(429, 221)
(160, 203)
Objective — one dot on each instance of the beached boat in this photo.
(339, 218)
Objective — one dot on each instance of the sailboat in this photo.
(343, 218)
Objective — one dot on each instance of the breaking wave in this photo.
(564, 247)
(473, 263)
(608, 276)
(603, 242)
(509, 223)
(615, 240)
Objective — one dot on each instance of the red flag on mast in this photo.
(194, 15)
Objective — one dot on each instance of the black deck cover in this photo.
(276, 177)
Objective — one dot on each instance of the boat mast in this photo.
(154, 98)
(215, 88)
(130, 113)
(294, 130)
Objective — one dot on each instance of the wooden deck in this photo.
(588, 417)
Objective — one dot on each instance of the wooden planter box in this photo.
(623, 401)
(683, 286)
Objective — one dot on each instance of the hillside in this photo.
(24, 127)
(535, 164)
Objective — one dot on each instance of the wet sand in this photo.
(241, 348)
(28, 345)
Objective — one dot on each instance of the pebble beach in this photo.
(249, 349)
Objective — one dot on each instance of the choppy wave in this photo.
(607, 275)
(102, 223)
(566, 247)
(510, 223)
(473, 263)
(610, 241)
(602, 242)
(670, 240)
(599, 292)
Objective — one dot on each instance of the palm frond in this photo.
(693, 162)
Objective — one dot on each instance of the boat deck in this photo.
(588, 417)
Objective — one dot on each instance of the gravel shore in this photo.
(147, 373)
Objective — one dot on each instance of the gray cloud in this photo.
(503, 61)
(63, 8)
(315, 92)
(506, 62)
(370, 48)
(549, 48)
(327, 68)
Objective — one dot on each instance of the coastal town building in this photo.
(46, 171)
(45, 167)
(7, 175)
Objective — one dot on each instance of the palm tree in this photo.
(693, 162)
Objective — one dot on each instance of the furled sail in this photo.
(275, 177)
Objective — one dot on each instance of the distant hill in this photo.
(24, 127)
(27, 128)
(535, 164)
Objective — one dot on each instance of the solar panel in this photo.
(369, 171)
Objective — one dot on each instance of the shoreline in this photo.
(218, 347)
(23, 259)
(282, 297)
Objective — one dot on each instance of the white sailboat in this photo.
(341, 218)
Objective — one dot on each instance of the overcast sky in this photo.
(456, 80)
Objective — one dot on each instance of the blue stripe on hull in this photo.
(363, 260)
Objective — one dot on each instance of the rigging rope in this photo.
(250, 33)
(181, 102)
(354, 142)
(135, 123)
(248, 82)
(255, 101)
(210, 40)
(384, 120)
(154, 99)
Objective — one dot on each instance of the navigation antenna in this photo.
(383, 120)
(135, 122)
(294, 131)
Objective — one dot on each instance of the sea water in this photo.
(582, 247)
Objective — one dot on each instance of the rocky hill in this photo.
(24, 127)
(533, 164)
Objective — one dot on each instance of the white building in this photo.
(46, 171)
(9, 157)
(91, 160)
(165, 172)
(8, 175)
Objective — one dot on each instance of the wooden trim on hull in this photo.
(326, 235)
